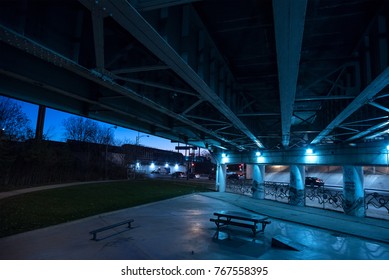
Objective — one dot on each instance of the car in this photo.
(194, 176)
(314, 182)
(212, 176)
(178, 174)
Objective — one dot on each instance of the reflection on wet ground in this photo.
(180, 229)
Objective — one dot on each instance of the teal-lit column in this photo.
(258, 181)
(221, 175)
(353, 195)
(297, 180)
(217, 177)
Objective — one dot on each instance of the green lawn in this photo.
(44, 208)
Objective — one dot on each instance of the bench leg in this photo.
(217, 229)
(94, 236)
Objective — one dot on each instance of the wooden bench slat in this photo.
(241, 216)
(233, 223)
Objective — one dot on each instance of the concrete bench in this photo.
(94, 232)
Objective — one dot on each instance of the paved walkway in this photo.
(179, 228)
(40, 188)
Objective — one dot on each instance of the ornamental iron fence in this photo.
(277, 191)
(329, 198)
(377, 203)
(326, 197)
(240, 186)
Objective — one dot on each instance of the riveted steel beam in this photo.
(378, 84)
(289, 19)
(129, 18)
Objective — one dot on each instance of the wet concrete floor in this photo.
(179, 229)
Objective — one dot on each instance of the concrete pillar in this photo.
(40, 123)
(221, 177)
(297, 185)
(258, 181)
(217, 177)
(353, 196)
(249, 171)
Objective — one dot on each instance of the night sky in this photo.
(54, 128)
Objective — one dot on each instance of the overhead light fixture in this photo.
(225, 158)
(258, 154)
(309, 151)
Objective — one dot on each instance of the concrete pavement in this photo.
(179, 228)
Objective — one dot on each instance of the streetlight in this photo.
(137, 143)
(139, 137)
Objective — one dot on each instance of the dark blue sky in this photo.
(54, 128)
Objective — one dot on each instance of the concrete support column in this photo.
(40, 123)
(221, 177)
(353, 195)
(258, 181)
(297, 185)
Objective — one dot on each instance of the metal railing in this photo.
(377, 203)
(330, 198)
(240, 186)
(277, 191)
(325, 197)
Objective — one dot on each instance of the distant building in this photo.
(151, 160)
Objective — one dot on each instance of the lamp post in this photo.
(137, 142)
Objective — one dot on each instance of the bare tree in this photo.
(80, 129)
(14, 123)
(105, 135)
(87, 130)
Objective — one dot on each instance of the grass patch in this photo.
(54, 206)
